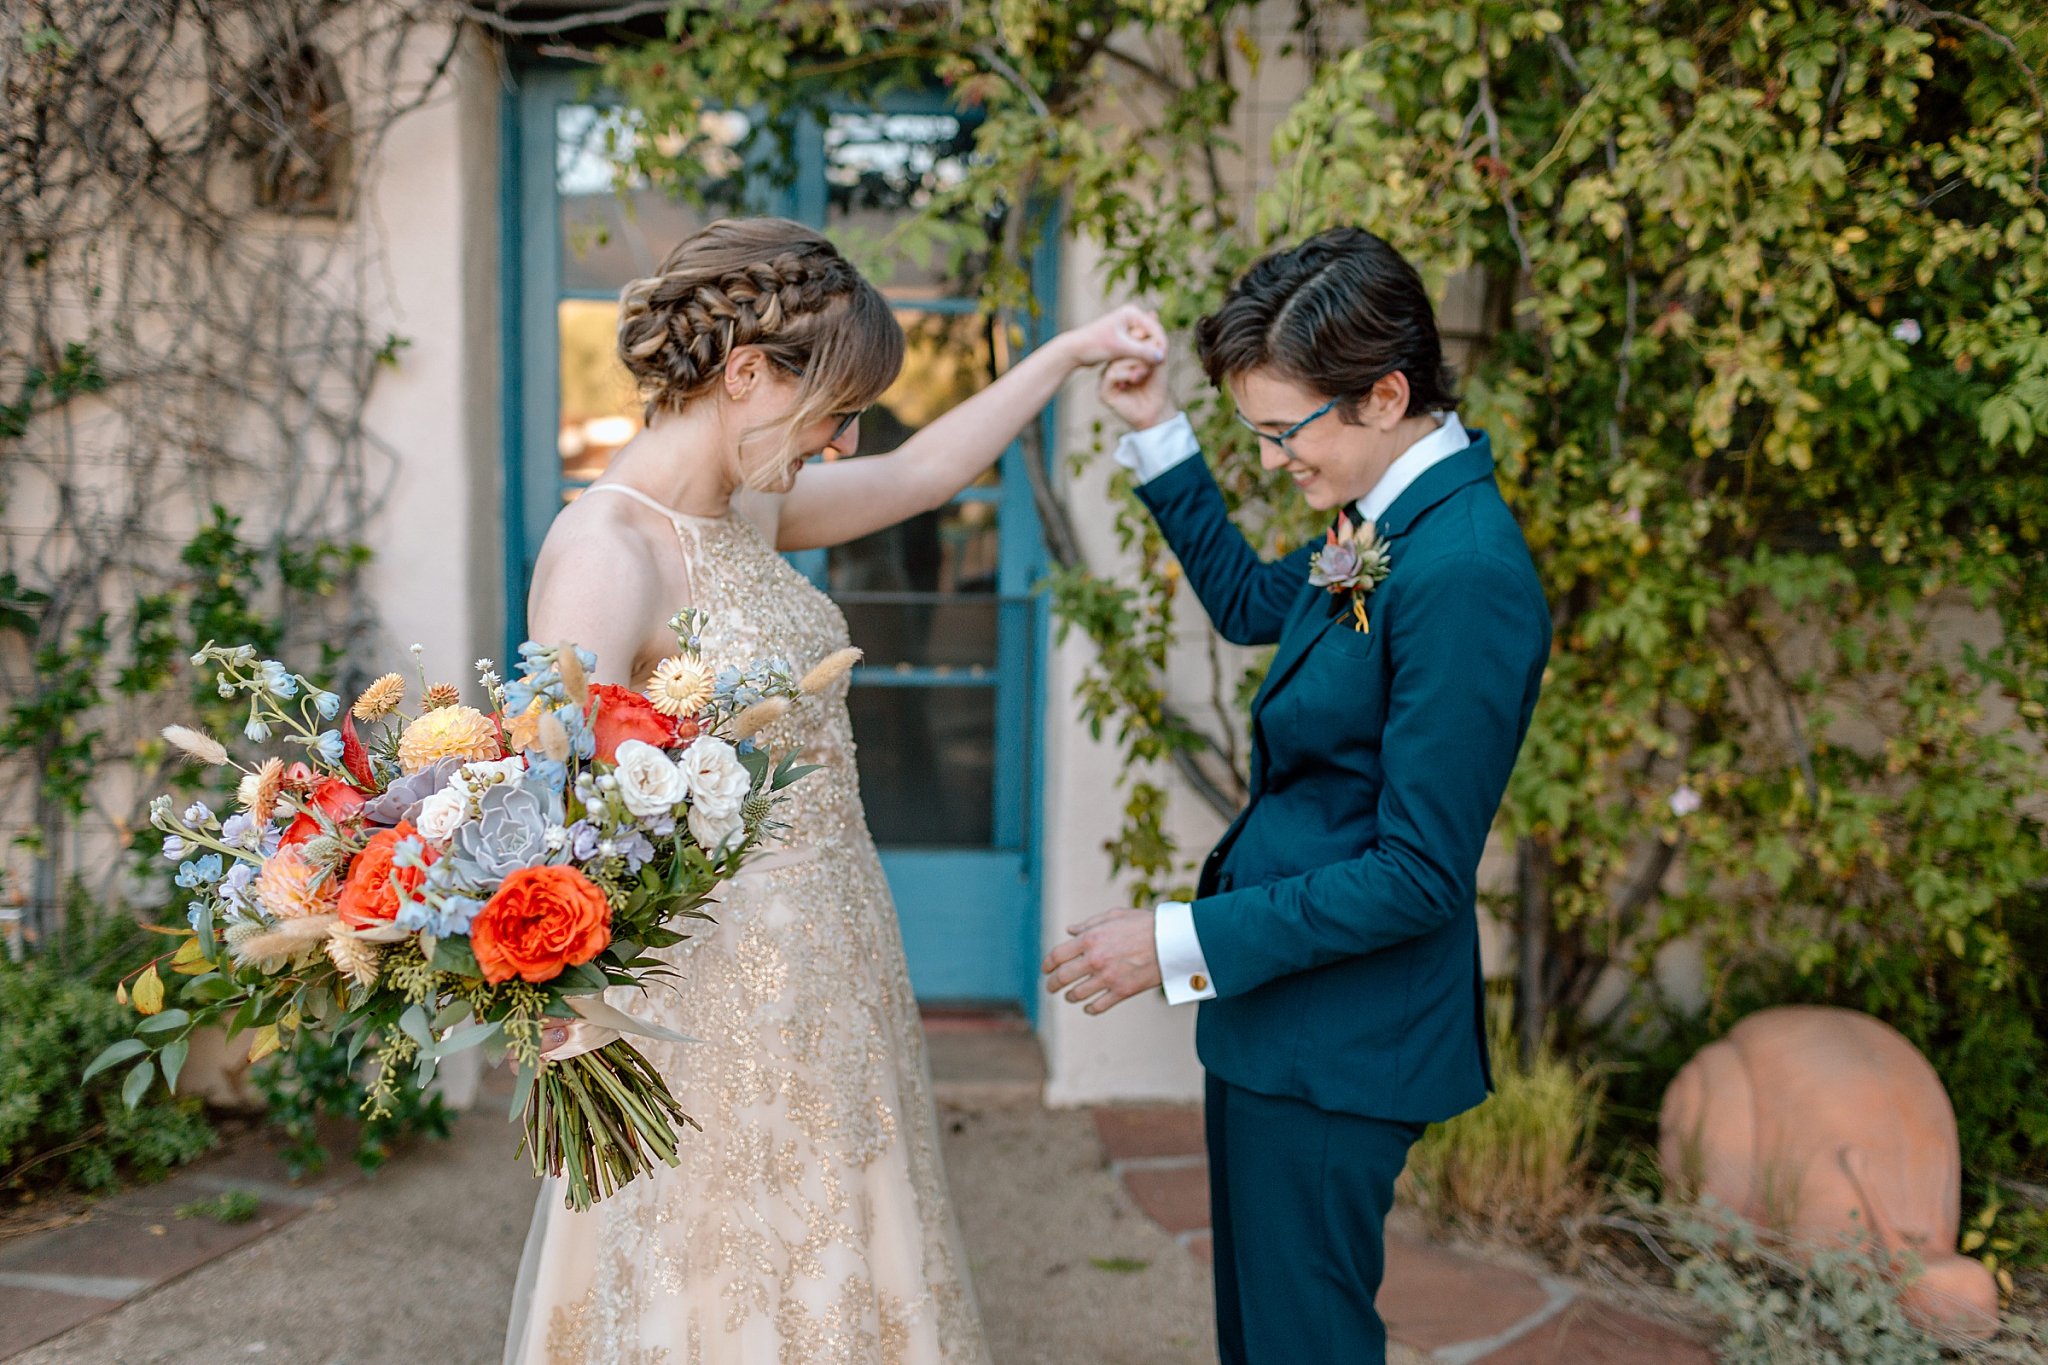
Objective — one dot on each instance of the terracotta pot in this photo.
(1826, 1125)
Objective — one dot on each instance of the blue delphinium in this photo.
(278, 680)
(327, 704)
(201, 872)
(198, 814)
(256, 730)
(174, 848)
(329, 746)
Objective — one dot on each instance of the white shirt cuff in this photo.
(1153, 451)
(1182, 968)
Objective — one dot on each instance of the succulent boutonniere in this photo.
(1353, 561)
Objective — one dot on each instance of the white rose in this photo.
(716, 832)
(648, 781)
(718, 783)
(441, 815)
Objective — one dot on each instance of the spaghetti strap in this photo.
(645, 501)
(689, 530)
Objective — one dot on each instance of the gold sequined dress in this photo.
(809, 1222)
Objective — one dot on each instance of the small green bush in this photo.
(59, 1011)
(1519, 1159)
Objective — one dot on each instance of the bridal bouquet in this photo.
(448, 878)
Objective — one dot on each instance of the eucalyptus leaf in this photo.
(113, 1055)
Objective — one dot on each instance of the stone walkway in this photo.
(1445, 1305)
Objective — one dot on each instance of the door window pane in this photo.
(599, 411)
(615, 233)
(927, 763)
(880, 169)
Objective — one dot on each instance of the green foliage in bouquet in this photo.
(60, 1011)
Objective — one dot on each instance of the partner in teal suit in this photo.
(1334, 935)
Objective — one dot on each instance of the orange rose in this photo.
(337, 800)
(371, 895)
(542, 920)
(618, 714)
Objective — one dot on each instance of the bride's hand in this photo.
(1128, 333)
(1136, 392)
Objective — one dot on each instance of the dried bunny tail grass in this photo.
(835, 666)
(307, 928)
(196, 745)
(759, 717)
(442, 695)
(360, 962)
(553, 737)
(574, 680)
(380, 698)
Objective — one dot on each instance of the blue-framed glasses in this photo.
(1281, 438)
(846, 419)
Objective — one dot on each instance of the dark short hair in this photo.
(1335, 314)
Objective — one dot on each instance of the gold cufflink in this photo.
(1198, 982)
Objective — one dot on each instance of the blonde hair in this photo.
(764, 282)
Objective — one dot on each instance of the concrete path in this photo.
(1065, 1266)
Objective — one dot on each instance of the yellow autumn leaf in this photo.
(289, 1020)
(265, 1043)
(149, 991)
(191, 959)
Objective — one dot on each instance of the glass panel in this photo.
(599, 410)
(879, 169)
(952, 637)
(927, 763)
(613, 234)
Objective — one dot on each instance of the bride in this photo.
(809, 1220)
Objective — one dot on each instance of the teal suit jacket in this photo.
(1338, 913)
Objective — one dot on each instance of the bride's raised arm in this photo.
(844, 500)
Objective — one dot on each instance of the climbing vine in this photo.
(187, 346)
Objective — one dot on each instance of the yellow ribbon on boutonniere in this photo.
(1353, 561)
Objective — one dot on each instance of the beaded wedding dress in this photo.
(808, 1223)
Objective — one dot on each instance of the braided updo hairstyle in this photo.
(764, 282)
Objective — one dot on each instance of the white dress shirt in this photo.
(1150, 453)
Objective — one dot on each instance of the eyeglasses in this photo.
(846, 419)
(1280, 439)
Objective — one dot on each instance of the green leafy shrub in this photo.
(314, 1082)
(1519, 1159)
(60, 1011)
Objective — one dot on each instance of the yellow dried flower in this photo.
(380, 698)
(258, 791)
(290, 887)
(443, 694)
(553, 737)
(196, 744)
(451, 732)
(680, 686)
(358, 961)
(835, 666)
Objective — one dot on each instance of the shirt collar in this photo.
(1447, 440)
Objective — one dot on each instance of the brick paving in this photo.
(1450, 1306)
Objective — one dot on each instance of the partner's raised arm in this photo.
(844, 500)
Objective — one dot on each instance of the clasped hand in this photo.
(1105, 960)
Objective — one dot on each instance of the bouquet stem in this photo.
(598, 1120)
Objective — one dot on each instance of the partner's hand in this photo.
(1136, 392)
(1106, 961)
(561, 1039)
(1128, 333)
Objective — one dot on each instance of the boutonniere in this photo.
(1353, 561)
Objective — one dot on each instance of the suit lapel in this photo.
(1318, 611)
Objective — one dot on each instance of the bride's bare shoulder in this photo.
(600, 548)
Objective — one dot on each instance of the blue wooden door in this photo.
(945, 707)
